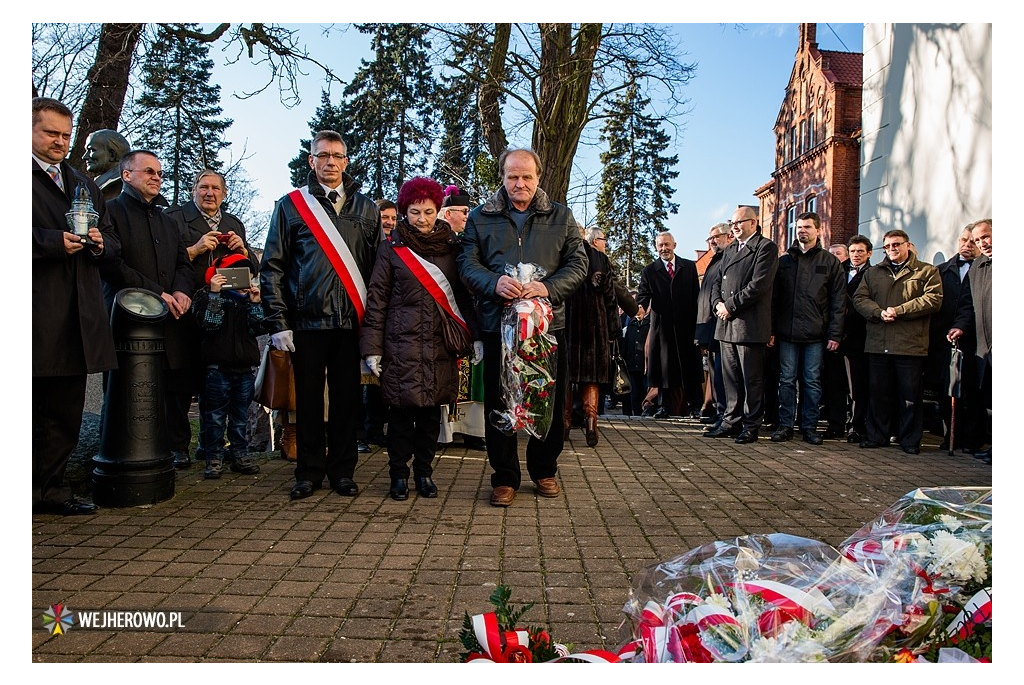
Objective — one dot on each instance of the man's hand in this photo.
(771, 341)
(72, 243)
(832, 345)
(478, 353)
(535, 289)
(282, 341)
(97, 240)
(508, 288)
(207, 243)
(172, 304)
(954, 334)
(373, 363)
(640, 313)
(888, 315)
(235, 242)
(183, 300)
(721, 312)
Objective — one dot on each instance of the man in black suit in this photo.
(70, 334)
(209, 233)
(852, 346)
(668, 289)
(153, 257)
(742, 296)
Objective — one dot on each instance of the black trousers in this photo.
(180, 386)
(896, 376)
(412, 432)
(860, 391)
(502, 449)
(57, 405)
(334, 355)
(836, 393)
(743, 368)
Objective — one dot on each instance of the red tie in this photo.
(671, 270)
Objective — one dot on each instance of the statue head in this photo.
(103, 150)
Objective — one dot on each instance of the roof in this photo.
(846, 67)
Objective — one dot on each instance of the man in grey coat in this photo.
(742, 299)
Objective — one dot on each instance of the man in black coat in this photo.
(153, 257)
(852, 346)
(209, 233)
(719, 238)
(742, 293)
(70, 332)
(668, 288)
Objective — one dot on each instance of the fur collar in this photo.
(500, 204)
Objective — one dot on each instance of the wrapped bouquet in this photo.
(766, 598)
(527, 360)
(934, 548)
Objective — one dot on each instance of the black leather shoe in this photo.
(745, 437)
(346, 487)
(812, 437)
(834, 434)
(72, 507)
(782, 435)
(912, 450)
(724, 431)
(426, 487)
(399, 489)
(362, 447)
(854, 437)
(303, 489)
(869, 444)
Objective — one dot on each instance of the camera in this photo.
(223, 238)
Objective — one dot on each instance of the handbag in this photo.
(620, 382)
(275, 380)
(457, 338)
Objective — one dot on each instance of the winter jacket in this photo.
(550, 239)
(70, 325)
(404, 326)
(300, 288)
(915, 292)
(592, 320)
(974, 313)
(744, 283)
(809, 296)
(229, 325)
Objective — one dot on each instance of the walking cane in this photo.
(955, 370)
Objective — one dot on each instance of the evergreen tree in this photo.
(634, 200)
(179, 110)
(390, 109)
(327, 118)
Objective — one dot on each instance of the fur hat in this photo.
(453, 197)
(225, 262)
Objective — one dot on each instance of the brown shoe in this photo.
(287, 441)
(547, 487)
(502, 496)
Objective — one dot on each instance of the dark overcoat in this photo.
(591, 322)
(403, 325)
(745, 283)
(673, 361)
(70, 326)
(153, 257)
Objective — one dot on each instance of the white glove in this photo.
(478, 353)
(373, 363)
(282, 341)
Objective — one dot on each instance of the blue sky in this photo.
(725, 146)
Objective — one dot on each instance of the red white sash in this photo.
(333, 245)
(434, 280)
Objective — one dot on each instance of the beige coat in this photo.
(915, 293)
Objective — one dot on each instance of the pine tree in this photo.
(634, 200)
(179, 110)
(327, 118)
(390, 109)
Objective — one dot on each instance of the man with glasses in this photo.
(897, 298)
(153, 256)
(742, 301)
(719, 239)
(320, 250)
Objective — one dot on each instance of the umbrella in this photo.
(956, 365)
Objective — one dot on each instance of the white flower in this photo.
(950, 522)
(956, 559)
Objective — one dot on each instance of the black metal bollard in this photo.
(134, 465)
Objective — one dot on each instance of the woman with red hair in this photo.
(419, 321)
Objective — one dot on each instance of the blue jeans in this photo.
(227, 395)
(808, 358)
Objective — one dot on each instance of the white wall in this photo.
(926, 153)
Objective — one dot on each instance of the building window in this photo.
(810, 131)
(812, 204)
(793, 142)
(791, 226)
(803, 136)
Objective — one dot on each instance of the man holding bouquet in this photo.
(520, 224)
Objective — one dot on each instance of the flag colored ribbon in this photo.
(434, 281)
(513, 646)
(977, 610)
(802, 605)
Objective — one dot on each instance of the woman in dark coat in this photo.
(402, 337)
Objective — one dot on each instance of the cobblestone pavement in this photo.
(367, 579)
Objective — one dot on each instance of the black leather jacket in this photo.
(550, 238)
(300, 288)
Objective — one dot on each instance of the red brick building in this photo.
(817, 145)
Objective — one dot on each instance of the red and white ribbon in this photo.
(333, 245)
(802, 605)
(977, 610)
(434, 280)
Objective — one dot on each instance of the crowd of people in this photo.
(392, 314)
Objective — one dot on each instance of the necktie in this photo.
(671, 270)
(333, 197)
(55, 175)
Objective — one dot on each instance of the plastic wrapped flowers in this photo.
(934, 547)
(763, 598)
(527, 360)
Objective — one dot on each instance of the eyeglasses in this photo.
(324, 156)
(713, 238)
(603, 239)
(893, 246)
(149, 171)
(738, 223)
(464, 210)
